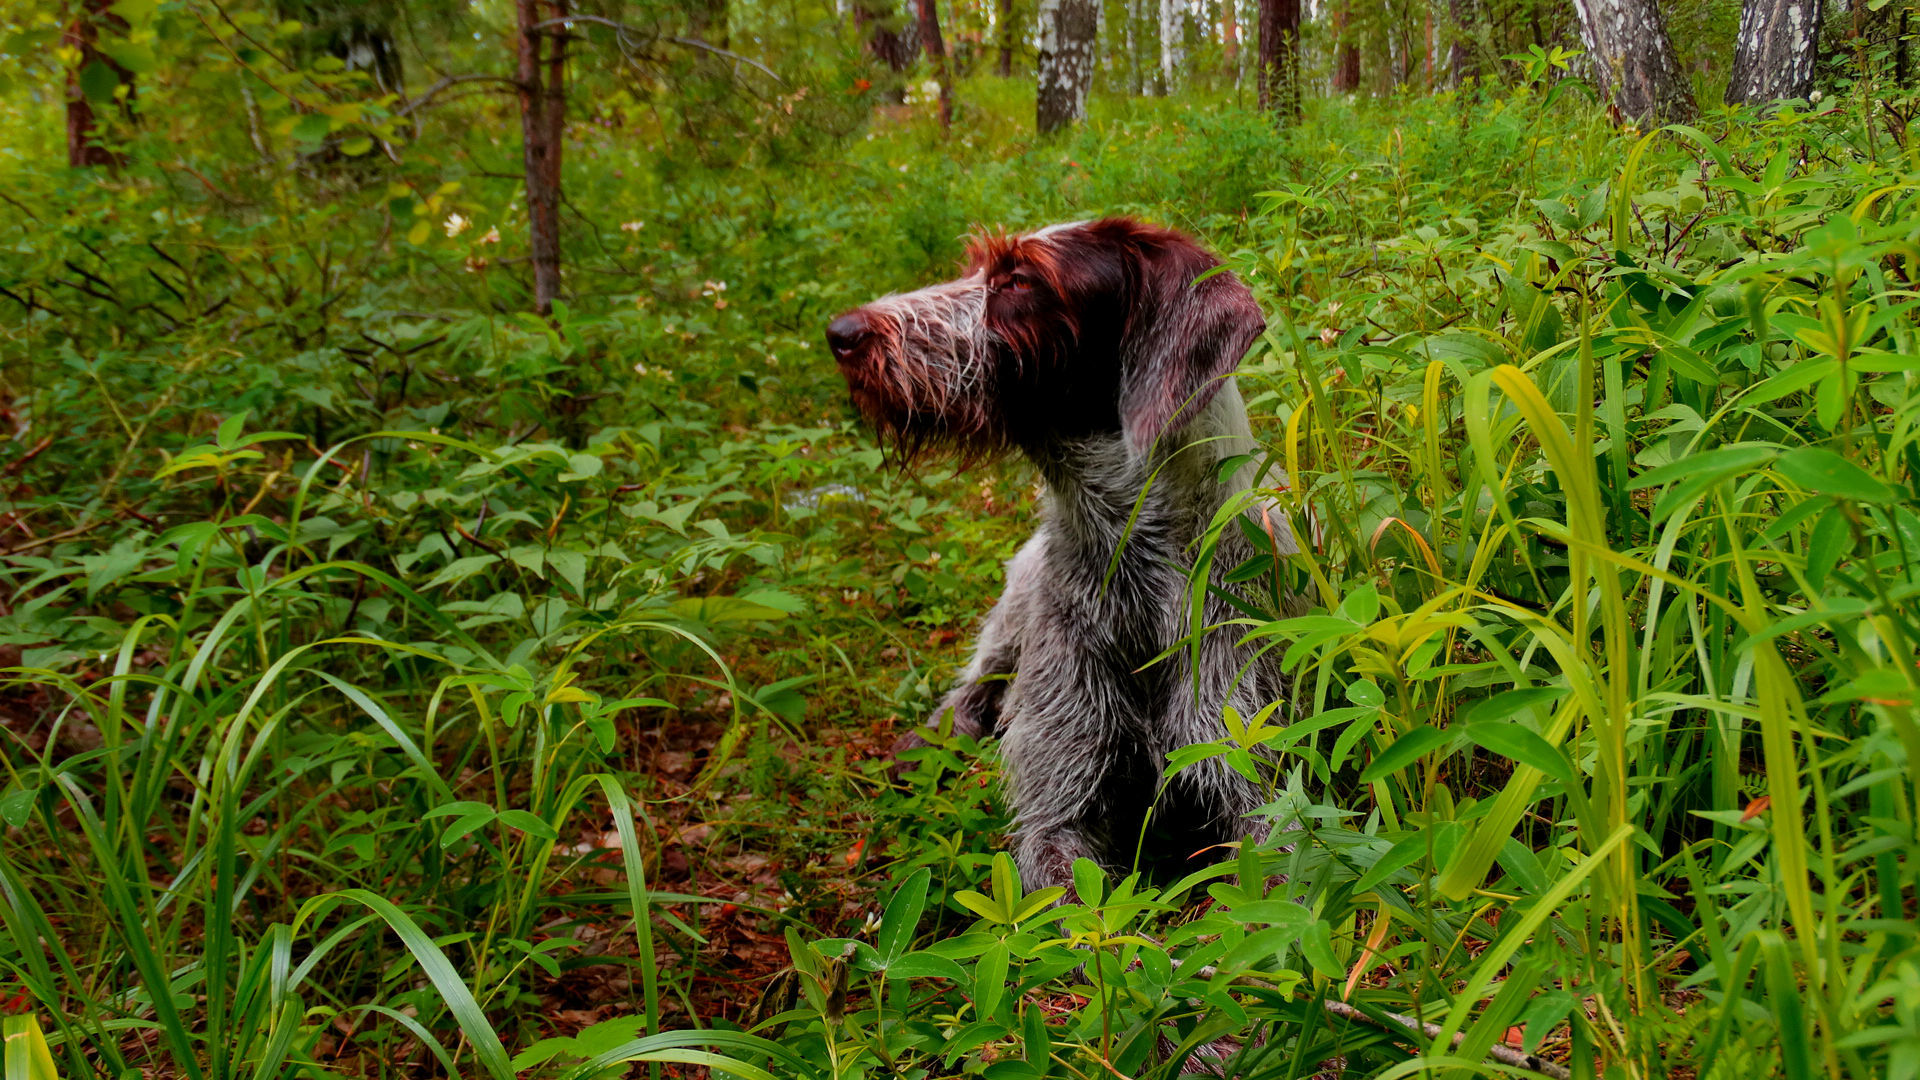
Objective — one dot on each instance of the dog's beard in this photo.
(927, 385)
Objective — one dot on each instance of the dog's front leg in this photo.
(1045, 857)
(977, 695)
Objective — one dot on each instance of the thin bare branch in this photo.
(433, 91)
(1505, 1055)
(626, 30)
(696, 43)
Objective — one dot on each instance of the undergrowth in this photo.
(401, 684)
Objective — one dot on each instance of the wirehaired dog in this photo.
(1102, 352)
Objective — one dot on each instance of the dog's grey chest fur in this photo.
(1114, 574)
(1095, 707)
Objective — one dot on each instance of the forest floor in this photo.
(399, 682)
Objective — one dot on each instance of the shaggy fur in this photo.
(1091, 349)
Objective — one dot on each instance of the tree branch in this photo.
(1503, 1054)
(625, 31)
(433, 91)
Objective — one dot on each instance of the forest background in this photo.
(451, 618)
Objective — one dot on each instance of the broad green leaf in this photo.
(925, 965)
(1405, 750)
(990, 979)
(1521, 744)
(1821, 470)
(529, 823)
(902, 916)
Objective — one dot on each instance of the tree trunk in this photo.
(1427, 50)
(893, 39)
(1279, 83)
(1067, 32)
(936, 47)
(1634, 61)
(1346, 67)
(543, 114)
(1173, 45)
(1461, 64)
(92, 79)
(708, 21)
(1009, 35)
(1136, 67)
(1774, 59)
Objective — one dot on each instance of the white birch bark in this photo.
(1173, 43)
(1777, 46)
(1068, 30)
(1634, 62)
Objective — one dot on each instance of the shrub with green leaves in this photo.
(391, 665)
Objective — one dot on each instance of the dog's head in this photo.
(1079, 330)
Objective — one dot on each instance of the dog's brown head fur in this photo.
(1071, 332)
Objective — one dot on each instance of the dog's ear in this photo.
(1184, 335)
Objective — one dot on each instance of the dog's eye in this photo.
(1018, 283)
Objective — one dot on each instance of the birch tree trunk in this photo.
(1634, 62)
(892, 38)
(1279, 82)
(1136, 67)
(1776, 50)
(1067, 32)
(1173, 44)
(543, 117)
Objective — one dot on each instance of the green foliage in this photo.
(351, 618)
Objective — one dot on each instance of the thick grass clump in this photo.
(396, 685)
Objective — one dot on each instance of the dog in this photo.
(1102, 351)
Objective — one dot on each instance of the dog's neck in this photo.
(1094, 483)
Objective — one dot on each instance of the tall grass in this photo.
(1601, 729)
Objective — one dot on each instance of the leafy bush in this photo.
(348, 602)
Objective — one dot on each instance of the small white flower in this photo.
(713, 288)
(903, 167)
(639, 369)
(871, 924)
(632, 226)
(492, 236)
(1814, 98)
(456, 224)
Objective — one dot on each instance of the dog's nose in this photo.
(845, 334)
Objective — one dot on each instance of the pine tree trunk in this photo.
(1427, 49)
(543, 115)
(1346, 67)
(1067, 32)
(1279, 82)
(1461, 65)
(936, 48)
(1634, 62)
(92, 70)
(1776, 50)
(1008, 36)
